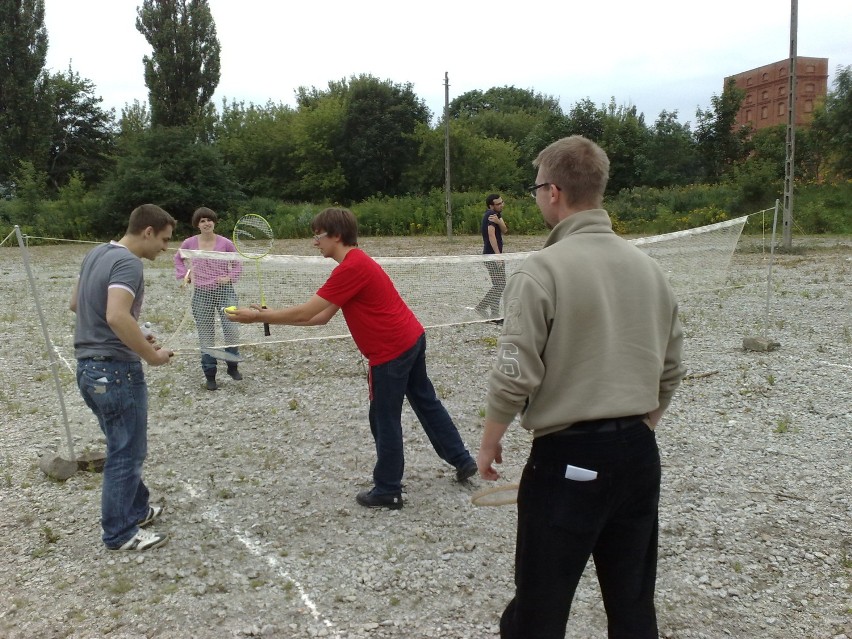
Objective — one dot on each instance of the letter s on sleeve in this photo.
(507, 363)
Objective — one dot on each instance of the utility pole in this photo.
(787, 224)
(447, 192)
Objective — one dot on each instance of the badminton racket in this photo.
(253, 239)
(501, 495)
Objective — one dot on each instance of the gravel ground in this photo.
(259, 478)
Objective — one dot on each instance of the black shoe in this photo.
(467, 471)
(211, 384)
(369, 499)
(234, 373)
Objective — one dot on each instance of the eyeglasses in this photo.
(317, 238)
(535, 187)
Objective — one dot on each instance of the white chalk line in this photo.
(824, 363)
(256, 548)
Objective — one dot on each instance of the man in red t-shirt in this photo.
(391, 338)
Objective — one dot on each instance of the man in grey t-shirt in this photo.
(109, 347)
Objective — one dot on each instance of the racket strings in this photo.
(253, 236)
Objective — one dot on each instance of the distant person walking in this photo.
(212, 290)
(590, 357)
(492, 228)
(391, 338)
(109, 345)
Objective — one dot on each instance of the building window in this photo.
(764, 113)
(810, 69)
(780, 108)
(782, 72)
(748, 82)
(765, 76)
(809, 87)
(748, 116)
(764, 95)
(749, 97)
(809, 106)
(782, 90)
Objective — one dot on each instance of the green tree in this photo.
(135, 119)
(317, 131)
(587, 120)
(721, 143)
(550, 127)
(28, 207)
(520, 117)
(769, 145)
(476, 163)
(625, 140)
(23, 113)
(832, 125)
(376, 141)
(172, 168)
(507, 113)
(183, 70)
(258, 143)
(671, 158)
(83, 134)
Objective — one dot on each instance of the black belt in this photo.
(608, 425)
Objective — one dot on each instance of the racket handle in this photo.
(266, 326)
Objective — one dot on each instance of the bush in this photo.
(818, 208)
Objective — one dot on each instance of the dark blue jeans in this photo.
(562, 522)
(390, 383)
(118, 396)
(207, 303)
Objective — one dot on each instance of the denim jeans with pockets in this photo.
(116, 392)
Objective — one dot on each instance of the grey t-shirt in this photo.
(105, 266)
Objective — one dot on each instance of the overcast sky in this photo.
(656, 55)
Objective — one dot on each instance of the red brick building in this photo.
(767, 89)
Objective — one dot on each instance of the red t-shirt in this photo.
(380, 322)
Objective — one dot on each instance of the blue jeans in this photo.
(206, 305)
(118, 396)
(390, 382)
(562, 522)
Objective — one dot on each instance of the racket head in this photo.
(221, 353)
(501, 495)
(253, 236)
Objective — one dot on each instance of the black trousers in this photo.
(562, 522)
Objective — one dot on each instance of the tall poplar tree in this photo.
(183, 70)
(23, 117)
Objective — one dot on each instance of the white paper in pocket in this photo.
(580, 474)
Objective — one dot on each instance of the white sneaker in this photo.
(153, 513)
(144, 540)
